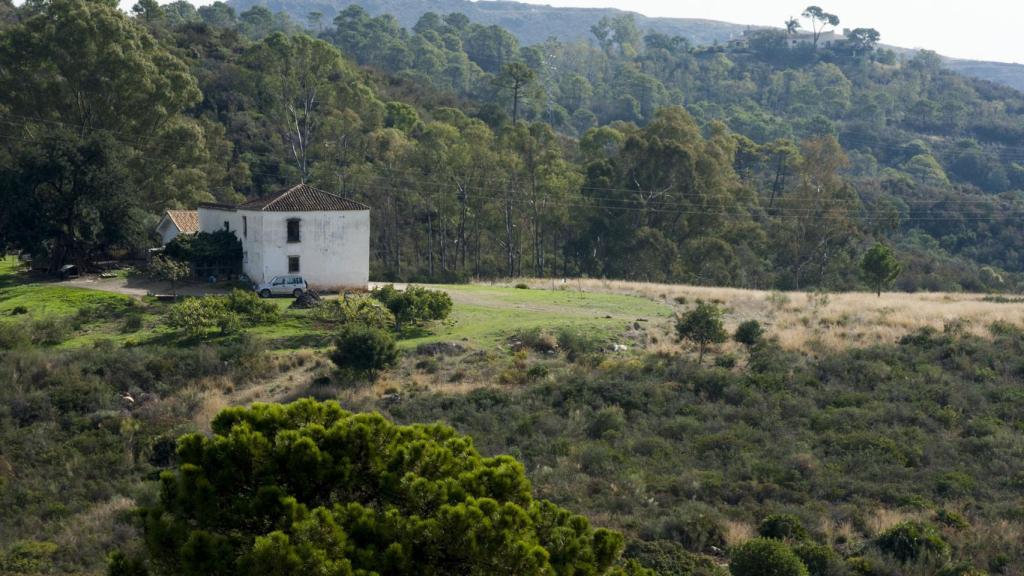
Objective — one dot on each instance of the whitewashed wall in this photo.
(213, 219)
(334, 251)
(167, 230)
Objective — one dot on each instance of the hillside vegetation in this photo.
(749, 397)
(852, 413)
(535, 24)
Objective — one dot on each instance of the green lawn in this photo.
(55, 300)
(482, 316)
(486, 315)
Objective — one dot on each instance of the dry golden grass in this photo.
(838, 534)
(737, 532)
(813, 321)
(883, 519)
(95, 522)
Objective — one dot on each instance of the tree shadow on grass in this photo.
(298, 341)
(412, 332)
(21, 277)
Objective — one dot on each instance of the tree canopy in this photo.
(310, 488)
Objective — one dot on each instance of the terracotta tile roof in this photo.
(187, 221)
(301, 198)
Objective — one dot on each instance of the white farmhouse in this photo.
(301, 230)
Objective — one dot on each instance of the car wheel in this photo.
(297, 292)
(264, 293)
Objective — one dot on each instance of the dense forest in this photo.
(536, 23)
(635, 156)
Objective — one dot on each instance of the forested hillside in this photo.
(535, 24)
(529, 23)
(640, 157)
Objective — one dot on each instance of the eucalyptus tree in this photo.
(93, 110)
(819, 21)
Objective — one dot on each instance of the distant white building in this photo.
(301, 230)
(175, 222)
(825, 39)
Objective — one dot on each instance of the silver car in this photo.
(290, 285)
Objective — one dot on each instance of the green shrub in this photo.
(697, 529)
(169, 269)
(430, 365)
(575, 342)
(782, 527)
(537, 339)
(229, 323)
(668, 558)
(364, 350)
(121, 565)
(955, 484)
(17, 335)
(749, 333)
(820, 560)
(132, 323)
(414, 305)
(605, 422)
(537, 372)
(961, 569)
(49, 330)
(196, 316)
(766, 557)
(703, 326)
(727, 361)
(522, 286)
(598, 459)
(229, 314)
(910, 541)
(952, 519)
(27, 557)
(250, 308)
(998, 563)
(355, 310)
(221, 249)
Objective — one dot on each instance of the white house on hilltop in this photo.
(825, 39)
(301, 230)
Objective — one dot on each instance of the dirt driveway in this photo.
(139, 287)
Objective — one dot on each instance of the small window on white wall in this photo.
(245, 227)
(245, 257)
(294, 233)
(293, 265)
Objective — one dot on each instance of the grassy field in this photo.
(813, 322)
(486, 315)
(483, 316)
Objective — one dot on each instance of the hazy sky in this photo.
(976, 29)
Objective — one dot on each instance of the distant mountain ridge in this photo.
(535, 23)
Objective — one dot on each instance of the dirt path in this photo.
(139, 287)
